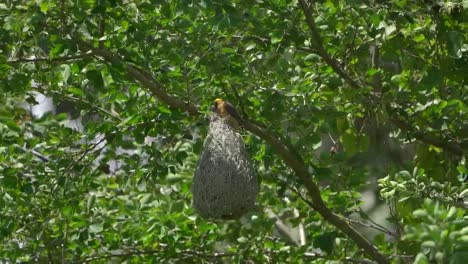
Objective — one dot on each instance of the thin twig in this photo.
(133, 252)
(58, 59)
(81, 101)
(305, 200)
(39, 155)
(376, 227)
(443, 199)
(417, 57)
(361, 212)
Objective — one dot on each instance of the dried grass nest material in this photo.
(224, 185)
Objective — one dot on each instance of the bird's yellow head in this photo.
(215, 104)
(217, 101)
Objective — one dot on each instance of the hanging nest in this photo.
(224, 186)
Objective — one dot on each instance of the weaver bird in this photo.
(227, 111)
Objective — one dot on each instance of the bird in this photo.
(227, 111)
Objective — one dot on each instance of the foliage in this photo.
(366, 91)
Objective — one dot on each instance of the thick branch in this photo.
(323, 210)
(307, 9)
(426, 138)
(144, 78)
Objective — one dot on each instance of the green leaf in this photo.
(144, 199)
(326, 241)
(396, 79)
(250, 46)
(44, 6)
(403, 175)
(181, 156)
(164, 110)
(463, 194)
(96, 79)
(242, 240)
(459, 257)
(96, 228)
(428, 244)
(420, 213)
(455, 41)
(76, 91)
(88, 3)
(390, 29)
(419, 38)
(421, 259)
(91, 202)
(131, 120)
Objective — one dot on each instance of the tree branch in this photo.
(426, 138)
(126, 253)
(307, 9)
(376, 227)
(135, 252)
(320, 50)
(308, 12)
(143, 77)
(325, 212)
(58, 59)
(443, 199)
(282, 148)
(80, 101)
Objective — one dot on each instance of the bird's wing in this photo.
(232, 110)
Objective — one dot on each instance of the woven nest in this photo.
(224, 186)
